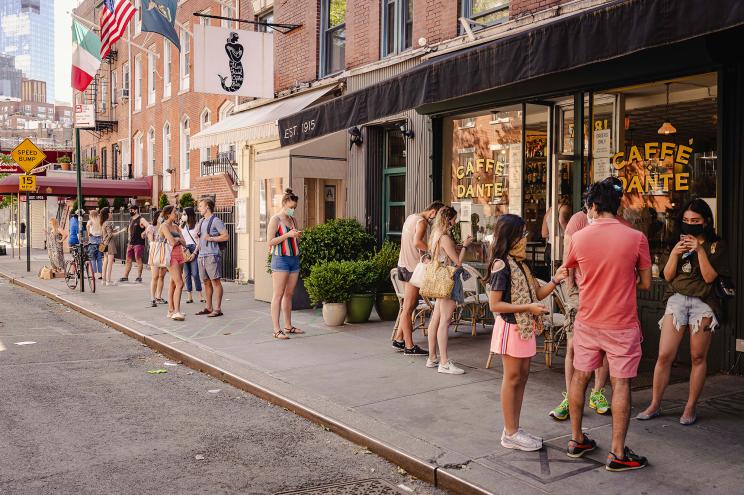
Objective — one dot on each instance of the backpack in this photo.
(221, 244)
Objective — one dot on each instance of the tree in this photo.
(163, 201)
(119, 203)
(186, 200)
(103, 203)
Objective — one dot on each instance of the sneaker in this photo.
(521, 440)
(138, 279)
(153, 304)
(432, 363)
(629, 462)
(415, 351)
(123, 279)
(560, 413)
(399, 346)
(598, 402)
(100, 277)
(579, 448)
(178, 317)
(540, 439)
(450, 369)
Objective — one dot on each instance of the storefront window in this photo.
(270, 192)
(394, 175)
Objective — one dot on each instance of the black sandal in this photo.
(279, 334)
(204, 311)
(294, 330)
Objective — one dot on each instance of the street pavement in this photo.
(450, 423)
(80, 414)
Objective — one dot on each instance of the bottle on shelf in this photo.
(655, 267)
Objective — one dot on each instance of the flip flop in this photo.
(280, 335)
(214, 314)
(294, 330)
(204, 311)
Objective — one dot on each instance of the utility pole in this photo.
(78, 174)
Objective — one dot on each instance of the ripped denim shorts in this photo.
(686, 310)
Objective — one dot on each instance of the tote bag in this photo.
(161, 254)
(417, 277)
(439, 279)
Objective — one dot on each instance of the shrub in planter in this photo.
(384, 260)
(364, 278)
(186, 200)
(336, 240)
(119, 203)
(330, 284)
(163, 201)
(103, 203)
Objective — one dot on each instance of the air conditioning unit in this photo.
(123, 94)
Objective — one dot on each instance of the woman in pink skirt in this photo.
(171, 232)
(514, 297)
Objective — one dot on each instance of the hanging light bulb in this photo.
(667, 128)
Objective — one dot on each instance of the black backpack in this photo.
(222, 244)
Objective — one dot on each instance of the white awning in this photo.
(257, 123)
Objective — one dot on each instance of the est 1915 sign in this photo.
(27, 183)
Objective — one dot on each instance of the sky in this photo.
(63, 49)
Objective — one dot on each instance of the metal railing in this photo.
(224, 163)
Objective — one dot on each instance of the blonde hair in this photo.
(441, 225)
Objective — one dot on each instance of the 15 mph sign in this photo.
(27, 155)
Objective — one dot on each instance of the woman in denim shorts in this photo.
(694, 264)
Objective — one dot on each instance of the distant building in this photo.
(10, 78)
(33, 90)
(22, 23)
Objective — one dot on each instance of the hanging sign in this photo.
(233, 62)
(85, 116)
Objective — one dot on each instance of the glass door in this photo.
(394, 184)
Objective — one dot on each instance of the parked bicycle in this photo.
(72, 268)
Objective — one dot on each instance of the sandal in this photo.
(204, 311)
(294, 330)
(215, 314)
(279, 334)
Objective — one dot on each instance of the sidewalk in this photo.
(435, 425)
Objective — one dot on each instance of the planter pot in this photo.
(300, 299)
(387, 306)
(66, 166)
(334, 314)
(359, 307)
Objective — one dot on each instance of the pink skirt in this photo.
(177, 255)
(506, 340)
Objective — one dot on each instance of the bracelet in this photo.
(553, 281)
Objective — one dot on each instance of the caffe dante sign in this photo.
(649, 168)
(492, 190)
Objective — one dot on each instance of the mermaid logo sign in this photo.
(223, 57)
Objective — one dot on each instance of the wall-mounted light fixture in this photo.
(355, 137)
(405, 128)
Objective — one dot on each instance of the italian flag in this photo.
(86, 56)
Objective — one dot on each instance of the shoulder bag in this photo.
(161, 253)
(439, 278)
(417, 277)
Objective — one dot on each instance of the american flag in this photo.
(115, 16)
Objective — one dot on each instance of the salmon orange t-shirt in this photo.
(609, 255)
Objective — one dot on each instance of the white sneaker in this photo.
(520, 441)
(432, 363)
(170, 315)
(450, 368)
(178, 316)
(535, 437)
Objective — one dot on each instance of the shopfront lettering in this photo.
(493, 190)
(305, 127)
(650, 168)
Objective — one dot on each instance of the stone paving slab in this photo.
(351, 374)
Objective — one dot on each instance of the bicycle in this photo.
(79, 258)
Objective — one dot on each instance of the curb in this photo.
(412, 465)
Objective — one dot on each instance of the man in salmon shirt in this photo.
(614, 260)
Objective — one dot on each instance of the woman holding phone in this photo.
(514, 297)
(285, 264)
(694, 264)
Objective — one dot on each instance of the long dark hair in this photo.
(190, 217)
(700, 207)
(507, 232)
(104, 215)
(167, 212)
(605, 195)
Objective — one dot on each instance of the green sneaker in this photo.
(598, 402)
(560, 413)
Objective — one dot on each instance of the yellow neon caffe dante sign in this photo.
(655, 163)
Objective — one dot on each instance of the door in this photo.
(394, 184)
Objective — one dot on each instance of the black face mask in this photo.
(692, 229)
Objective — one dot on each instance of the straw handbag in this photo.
(439, 279)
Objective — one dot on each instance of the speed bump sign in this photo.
(27, 155)
(27, 183)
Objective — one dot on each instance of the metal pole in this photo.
(18, 226)
(78, 174)
(28, 232)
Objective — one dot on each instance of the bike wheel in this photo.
(90, 273)
(71, 275)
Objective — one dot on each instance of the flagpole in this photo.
(96, 28)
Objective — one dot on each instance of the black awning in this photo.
(604, 33)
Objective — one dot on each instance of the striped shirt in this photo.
(289, 246)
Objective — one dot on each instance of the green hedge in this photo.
(341, 239)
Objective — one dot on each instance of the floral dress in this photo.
(54, 249)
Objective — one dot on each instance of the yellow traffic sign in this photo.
(27, 183)
(27, 155)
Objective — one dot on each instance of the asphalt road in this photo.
(80, 414)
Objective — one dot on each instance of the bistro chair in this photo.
(476, 301)
(420, 312)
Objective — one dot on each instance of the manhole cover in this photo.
(361, 487)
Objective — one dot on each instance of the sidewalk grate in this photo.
(361, 487)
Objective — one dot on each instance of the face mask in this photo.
(290, 212)
(132, 213)
(692, 229)
(519, 251)
(184, 218)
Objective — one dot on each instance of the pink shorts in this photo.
(135, 251)
(506, 340)
(177, 255)
(621, 346)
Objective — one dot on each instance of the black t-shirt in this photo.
(499, 280)
(135, 232)
(23, 227)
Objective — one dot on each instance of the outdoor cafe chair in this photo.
(422, 310)
(475, 303)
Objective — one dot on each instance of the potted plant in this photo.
(163, 201)
(90, 164)
(103, 203)
(186, 200)
(330, 284)
(336, 240)
(384, 260)
(364, 278)
(65, 162)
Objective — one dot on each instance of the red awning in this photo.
(67, 186)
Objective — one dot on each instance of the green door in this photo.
(394, 184)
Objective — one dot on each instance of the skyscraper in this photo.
(27, 34)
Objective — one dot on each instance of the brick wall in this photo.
(296, 53)
(362, 32)
(182, 104)
(435, 20)
(219, 185)
(520, 7)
